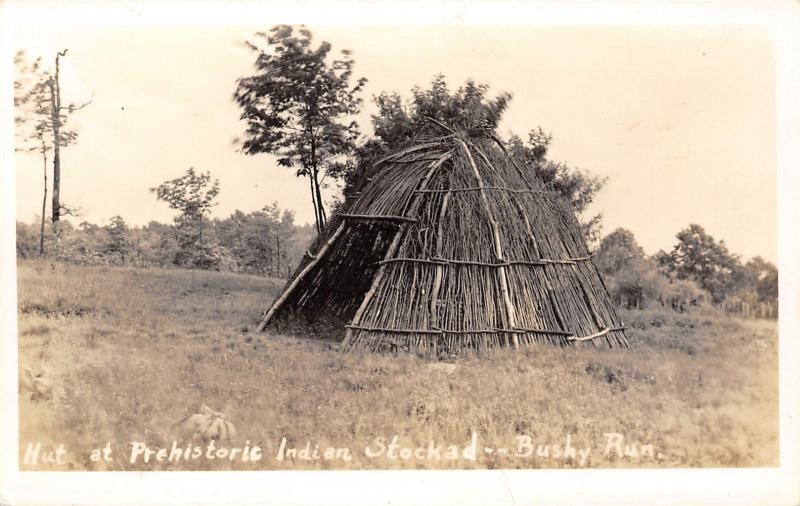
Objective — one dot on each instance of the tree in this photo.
(470, 108)
(58, 115)
(118, 238)
(399, 122)
(631, 277)
(617, 251)
(699, 257)
(296, 106)
(260, 242)
(762, 276)
(39, 127)
(193, 195)
(156, 243)
(467, 108)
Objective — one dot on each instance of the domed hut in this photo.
(452, 245)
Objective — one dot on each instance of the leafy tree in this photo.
(118, 238)
(193, 195)
(699, 257)
(617, 251)
(260, 242)
(27, 239)
(296, 106)
(157, 243)
(399, 122)
(762, 276)
(468, 108)
(632, 278)
(638, 283)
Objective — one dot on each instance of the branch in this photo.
(440, 124)
(73, 107)
(70, 211)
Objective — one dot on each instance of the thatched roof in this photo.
(452, 245)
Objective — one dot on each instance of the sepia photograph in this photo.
(263, 239)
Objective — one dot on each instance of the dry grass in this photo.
(130, 352)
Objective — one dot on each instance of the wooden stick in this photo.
(446, 261)
(408, 151)
(437, 280)
(440, 124)
(417, 160)
(411, 260)
(377, 217)
(595, 336)
(394, 331)
(469, 331)
(478, 188)
(280, 300)
(544, 331)
(498, 249)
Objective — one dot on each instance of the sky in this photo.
(681, 119)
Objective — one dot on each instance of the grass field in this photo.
(120, 355)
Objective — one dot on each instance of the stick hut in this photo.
(451, 245)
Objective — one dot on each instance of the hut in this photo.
(451, 245)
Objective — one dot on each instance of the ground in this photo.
(119, 355)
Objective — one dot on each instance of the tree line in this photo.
(265, 242)
(698, 270)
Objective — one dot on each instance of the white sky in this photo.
(681, 119)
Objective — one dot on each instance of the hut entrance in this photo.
(334, 289)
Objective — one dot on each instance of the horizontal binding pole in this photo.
(393, 331)
(467, 331)
(515, 330)
(411, 260)
(543, 331)
(387, 217)
(444, 261)
(538, 261)
(417, 160)
(595, 336)
(478, 188)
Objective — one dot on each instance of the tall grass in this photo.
(134, 351)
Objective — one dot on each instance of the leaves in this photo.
(399, 122)
(190, 194)
(699, 257)
(193, 195)
(296, 103)
(297, 100)
(34, 119)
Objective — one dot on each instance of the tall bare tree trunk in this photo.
(44, 199)
(55, 113)
(278, 248)
(56, 206)
(314, 201)
(322, 213)
(313, 174)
